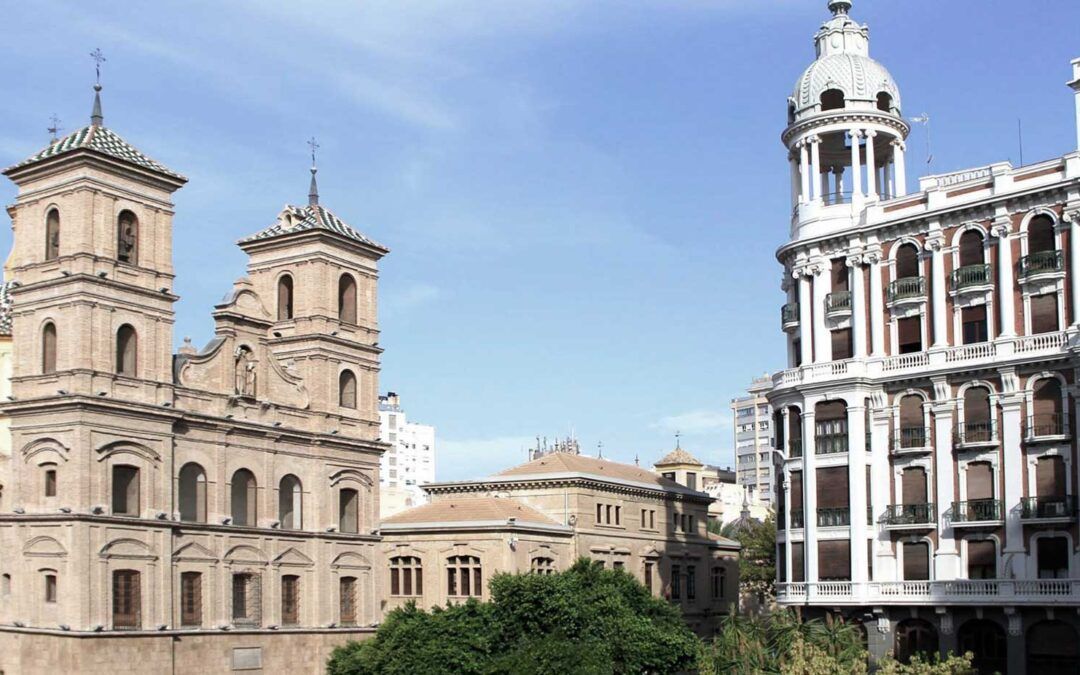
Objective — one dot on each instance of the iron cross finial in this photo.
(678, 437)
(314, 145)
(600, 449)
(99, 59)
(55, 128)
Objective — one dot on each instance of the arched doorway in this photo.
(1052, 649)
(915, 636)
(986, 640)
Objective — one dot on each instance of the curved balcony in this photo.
(977, 512)
(789, 316)
(838, 304)
(907, 289)
(1041, 263)
(972, 278)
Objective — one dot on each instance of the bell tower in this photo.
(91, 267)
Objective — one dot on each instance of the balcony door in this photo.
(980, 481)
(1052, 557)
(916, 561)
(1050, 477)
(913, 487)
(981, 559)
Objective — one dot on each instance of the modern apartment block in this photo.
(410, 461)
(754, 440)
(926, 421)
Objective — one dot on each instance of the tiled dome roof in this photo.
(861, 78)
(678, 456)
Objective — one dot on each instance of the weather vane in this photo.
(55, 128)
(678, 436)
(99, 59)
(314, 145)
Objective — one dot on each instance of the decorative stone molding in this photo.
(1001, 229)
(946, 620)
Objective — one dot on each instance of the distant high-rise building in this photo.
(753, 441)
(410, 461)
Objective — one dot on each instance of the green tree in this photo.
(585, 620)
(757, 561)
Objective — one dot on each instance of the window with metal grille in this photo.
(719, 578)
(190, 599)
(347, 593)
(126, 600)
(543, 565)
(246, 599)
(290, 600)
(676, 582)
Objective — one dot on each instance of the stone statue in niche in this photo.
(245, 372)
(127, 237)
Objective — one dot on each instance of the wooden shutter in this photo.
(976, 405)
(973, 320)
(909, 334)
(971, 249)
(832, 487)
(907, 262)
(1050, 477)
(1044, 313)
(980, 481)
(798, 569)
(841, 344)
(911, 413)
(834, 560)
(981, 553)
(191, 599)
(796, 491)
(916, 561)
(914, 485)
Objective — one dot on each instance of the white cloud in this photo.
(481, 457)
(397, 101)
(409, 296)
(701, 421)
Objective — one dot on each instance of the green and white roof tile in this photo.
(98, 139)
(295, 219)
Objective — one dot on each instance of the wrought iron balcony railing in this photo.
(1046, 424)
(976, 432)
(789, 313)
(907, 287)
(830, 444)
(1041, 262)
(911, 437)
(840, 301)
(910, 514)
(1060, 506)
(796, 519)
(795, 447)
(977, 510)
(837, 517)
(971, 275)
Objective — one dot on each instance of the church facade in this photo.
(214, 508)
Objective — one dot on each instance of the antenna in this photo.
(924, 119)
(1020, 137)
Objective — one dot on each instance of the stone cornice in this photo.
(854, 117)
(499, 484)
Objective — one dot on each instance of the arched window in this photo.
(1040, 234)
(48, 348)
(795, 432)
(406, 576)
(463, 576)
(791, 113)
(884, 102)
(986, 640)
(285, 298)
(978, 421)
(290, 501)
(52, 235)
(347, 600)
(971, 248)
(907, 262)
(1052, 648)
(912, 428)
(126, 600)
(244, 498)
(1046, 415)
(127, 344)
(349, 510)
(127, 238)
(832, 99)
(290, 600)
(915, 636)
(542, 565)
(192, 493)
(347, 389)
(347, 299)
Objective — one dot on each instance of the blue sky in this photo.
(582, 197)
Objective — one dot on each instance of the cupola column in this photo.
(856, 165)
(1073, 218)
(822, 344)
(815, 168)
(871, 166)
(796, 180)
(901, 168)
(804, 172)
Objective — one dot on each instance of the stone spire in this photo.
(96, 118)
(313, 190)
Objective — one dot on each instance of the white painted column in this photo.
(856, 164)
(858, 307)
(838, 176)
(1073, 217)
(795, 180)
(899, 148)
(880, 496)
(946, 557)
(936, 243)
(809, 494)
(815, 168)
(822, 338)
(871, 166)
(857, 455)
(877, 305)
(1005, 277)
(1014, 486)
(1075, 84)
(804, 172)
(806, 329)
(826, 193)
(786, 417)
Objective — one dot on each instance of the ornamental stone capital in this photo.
(870, 133)
(1072, 217)
(935, 242)
(1001, 228)
(854, 260)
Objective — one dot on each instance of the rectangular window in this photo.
(974, 324)
(842, 345)
(676, 582)
(981, 559)
(599, 513)
(290, 600)
(347, 590)
(1044, 313)
(652, 520)
(798, 566)
(719, 576)
(619, 565)
(50, 482)
(50, 588)
(1053, 558)
(127, 600)
(691, 582)
(834, 560)
(916, 561)
(247, 599)
(909, 335)
(691, 480)
(125, 490)
(191, 599)
(451, 581)
(649, 576)
(618, 515)
(349, 511)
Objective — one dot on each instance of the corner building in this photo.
(926, 425)
(200, 512)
